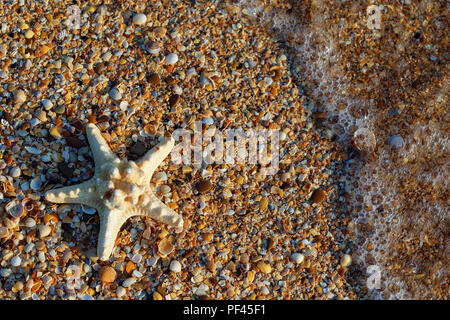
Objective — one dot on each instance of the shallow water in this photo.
(393, 83)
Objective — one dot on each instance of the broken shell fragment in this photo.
(15, 209)
(165, 247)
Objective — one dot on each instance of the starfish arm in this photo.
(110, 223)
(158, 211)
(79, 193)
(100, 148)
(153, 158)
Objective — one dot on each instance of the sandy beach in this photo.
(338, 205)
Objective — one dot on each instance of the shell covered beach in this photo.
(140, 70)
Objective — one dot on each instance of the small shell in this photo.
(160, 176)
(346, 260)
(47, 104)
(154, 47)
(115, 94)
(175, 266)
(171, 58)
(165, 247)
(36, 183)
(28, 204)
(139, 19)
(364, 140)
(63, 209)
(297, 257)
(15, 209)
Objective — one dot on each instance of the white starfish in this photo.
(119, 189)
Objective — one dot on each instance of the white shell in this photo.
(139, 19)
(175, 266)
(297, 257)
(171, 58)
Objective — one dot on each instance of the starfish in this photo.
(119, 189)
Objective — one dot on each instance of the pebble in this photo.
(19, 96)
(138, 149)
(139, 19)
(264, 290)
(154, 79)
(44, 230)
(107, 274)
(16, 261)
(61, 109)
(75, 142)
(364, 140)
(318, 196)
(171, 58)
(297, 257)
(99, 68)
(175, 266)
(41, 256)
(204, 186)
(30, 222)
(28, 247)
(154, 47)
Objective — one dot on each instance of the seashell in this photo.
(44, 230)
(28, 204)
(346, 260)
(297, 257)
(10, 223)
(139, 19)
(15, 172)
(19, 96)
(4, 232)
(14, 209)
(165, 247)
(154, 47)
(36, 183)
(63, 209)
(175, 266)
(364, 140)
(47, 104)
(30, 222)
(160, 176)
(115, 94)
(123, 105)
(171, 58)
